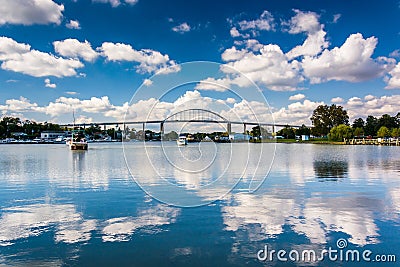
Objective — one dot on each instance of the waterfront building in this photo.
(51, 135)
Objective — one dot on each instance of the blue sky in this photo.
(94, 55)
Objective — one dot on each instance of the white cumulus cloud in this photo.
(372, 105)
(307, 22)
(131, 2)
(74, 48)
(48, 83)
(393, 80)
(351, 62)
(232, 54)
(304, 22)
(312, 61)
(234, 32)
(150, 61)
(10, 49)
(337, 100)
(116, 3)
(21, 58)
(265, 22)
(147, 82)
(182, 28)
(268, 67)
(113, 3)
(19, 105)
(297, 97)
(296, 113)
(29, 12)
(73, 24)
(39, 64)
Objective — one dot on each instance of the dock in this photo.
(373, 141)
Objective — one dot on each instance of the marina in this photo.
(374, 141)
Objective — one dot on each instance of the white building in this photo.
(48, 135)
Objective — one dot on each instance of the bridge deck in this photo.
(176, 121)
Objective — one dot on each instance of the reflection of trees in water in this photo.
(386, 164)
(331, 170)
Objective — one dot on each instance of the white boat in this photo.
(81, 145)
(77, 142)
(182, 141)
(59, 140)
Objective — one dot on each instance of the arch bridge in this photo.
(194, 115)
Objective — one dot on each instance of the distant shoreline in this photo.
(264, 141)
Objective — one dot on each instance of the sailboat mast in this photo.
(73, 115)
(73, 129)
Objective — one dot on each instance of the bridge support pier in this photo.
(162, 130)
(229, 128)
(244, 128)
(104, 127)
(124, 132)
(144, 133)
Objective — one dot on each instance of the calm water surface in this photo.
(65, 208)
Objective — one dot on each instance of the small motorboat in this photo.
(182, 141)
(59, 140)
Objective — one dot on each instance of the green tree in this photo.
(371, 126)
(387, 121)
(395, 132)
(326, 117)
(338, 133)
(2, 131)
(358, 123)
(358, 132)
(11, 124)
(303, 130)
(287, 132)
(171, 136)
(93, 129)
(383, 132)
(398, 119)
(258, 131)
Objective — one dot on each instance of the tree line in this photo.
(32, 129)
(333, 122)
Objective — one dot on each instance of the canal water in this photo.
(201, 205)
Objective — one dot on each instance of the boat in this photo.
(182, 141)
(59, 140)
(78, 140)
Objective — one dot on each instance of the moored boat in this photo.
(182, 141)
(78, 142)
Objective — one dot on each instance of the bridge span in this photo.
(188, 116)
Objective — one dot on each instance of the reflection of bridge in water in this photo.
(194, 115)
